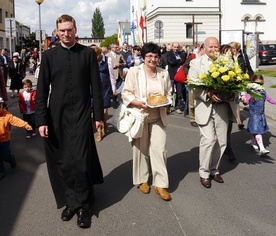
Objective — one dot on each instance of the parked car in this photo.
(267, 53)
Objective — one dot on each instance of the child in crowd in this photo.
(36, 74)
(257, 124)
(7, 119)
(32, 63)
(27, 105)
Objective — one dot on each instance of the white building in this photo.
(251, 16)
(191, 21)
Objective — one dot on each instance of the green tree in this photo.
(30, 42)
(109, 40)
(98, 30)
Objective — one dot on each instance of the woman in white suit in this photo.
(149, 151)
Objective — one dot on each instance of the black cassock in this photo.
(71, 154)
(16, 74)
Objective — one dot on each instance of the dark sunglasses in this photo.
(260, 83)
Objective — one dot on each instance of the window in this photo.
(246, 24)
(254, 2)
(189, 30)
(251, 1)
(259, 19)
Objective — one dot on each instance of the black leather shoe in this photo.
(84, 218)
(115, 105)
(194, 124)
(205, 182)
(218, 178)
(241, 126)
(67, 214)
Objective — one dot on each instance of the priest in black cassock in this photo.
(68, 78)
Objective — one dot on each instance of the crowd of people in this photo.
(75, 81)
(14, 69)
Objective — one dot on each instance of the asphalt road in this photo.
(270, 66)
(244, 205)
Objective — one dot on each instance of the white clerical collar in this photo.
(63, 45)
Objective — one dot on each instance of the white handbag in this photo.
(131, 122)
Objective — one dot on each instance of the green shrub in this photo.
(268, 73)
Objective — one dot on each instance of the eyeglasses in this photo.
(152, 57)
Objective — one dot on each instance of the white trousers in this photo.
(149, 153)
(213, 140)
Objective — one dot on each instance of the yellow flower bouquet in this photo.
(224, 75)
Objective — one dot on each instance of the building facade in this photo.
(22, 34)
(89, 41)
(251, 16)
(191, 21)
(6, 11)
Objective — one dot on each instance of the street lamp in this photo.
(39, 2)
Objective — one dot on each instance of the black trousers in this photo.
(117, 98)
(30, 118)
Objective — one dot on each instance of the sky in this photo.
(113, 11)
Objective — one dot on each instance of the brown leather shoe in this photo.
(163, 193)
(218, 178)
(144, 188)
(205, 182)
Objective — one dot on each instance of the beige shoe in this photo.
(178, 111)
(144, 188)
(163, 193)
(99, 136)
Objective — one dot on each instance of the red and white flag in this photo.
(141, 24)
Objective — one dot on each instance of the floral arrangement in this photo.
(226, 76)
(254, 87)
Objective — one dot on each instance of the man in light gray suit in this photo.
(211, 115)
(118, 62)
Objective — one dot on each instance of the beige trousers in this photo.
(149, 153)
(191, 106)
(213, 140)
